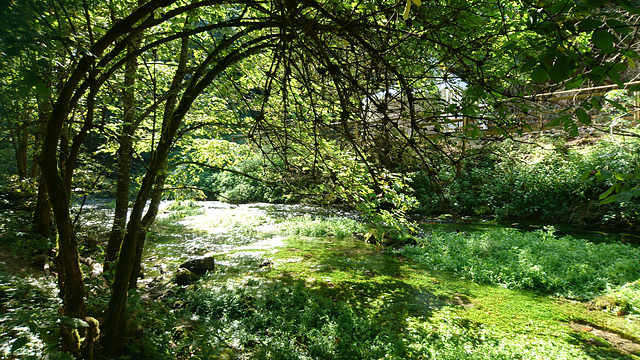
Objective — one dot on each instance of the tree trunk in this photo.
(113, 320)
(57, 173)
(125, 154)
(147, 221)
(204, 76)
(156, 195)
(19, 139)
(42, 214)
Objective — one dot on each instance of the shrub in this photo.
(542, 182)
(280, 322)
(321, 227)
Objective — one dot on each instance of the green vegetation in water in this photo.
(181, 209)
(339, 227)
(538, 260)
(333, 297)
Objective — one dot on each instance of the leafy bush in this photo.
(621, 300)
(28, 318)
(278, 322)
(261, 320)
(542, 182)
(321, 227)
(234, 188)
(538, 260)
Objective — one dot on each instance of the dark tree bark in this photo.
(42, 214)
(125, 154)
(20, 142)
(58, 178)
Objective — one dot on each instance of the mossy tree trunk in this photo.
(156, 194)
(125, 154)
(57, 166)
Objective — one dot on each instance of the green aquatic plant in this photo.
(322, 227)
(537, 260)
(180, 209)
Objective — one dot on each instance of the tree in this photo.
(322, 61)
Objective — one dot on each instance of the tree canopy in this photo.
(160, 81)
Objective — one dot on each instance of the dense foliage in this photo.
(538, 261)
(540, 179)
(340, 103)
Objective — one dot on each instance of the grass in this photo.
(436, 315)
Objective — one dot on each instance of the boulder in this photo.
(185, 277)
(199, 265)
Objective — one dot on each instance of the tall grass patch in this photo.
(322, 227)
(538, 261)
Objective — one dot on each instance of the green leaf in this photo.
(615, 77)
(562, 68)
(560, 119)
(73, 322)
(603, 40)
(12, 51)
(587, 174)
(596, 103)
(558, 6)
(631, 54)
(616, 104)
(574, 84)
(539, 74)
(589, 25)
(30, 78)
(619, 176)
(18, 343)
(629, 5)
(509, 45)
(605, 194)
(571, 127)
(529, 65)
(635, 87)
(583, 117)
(609, 200)
(618, 26)
(597, 3)
(603, 174)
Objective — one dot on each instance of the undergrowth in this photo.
(538, 261)
(322, 227)
(262, 320)
(28, 317)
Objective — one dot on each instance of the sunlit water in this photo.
(240, 237)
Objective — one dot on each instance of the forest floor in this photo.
(15, 264)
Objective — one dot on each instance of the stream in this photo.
(240, 237)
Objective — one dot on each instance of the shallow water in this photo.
(589, 233)
(240, 237)
(243, 237)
